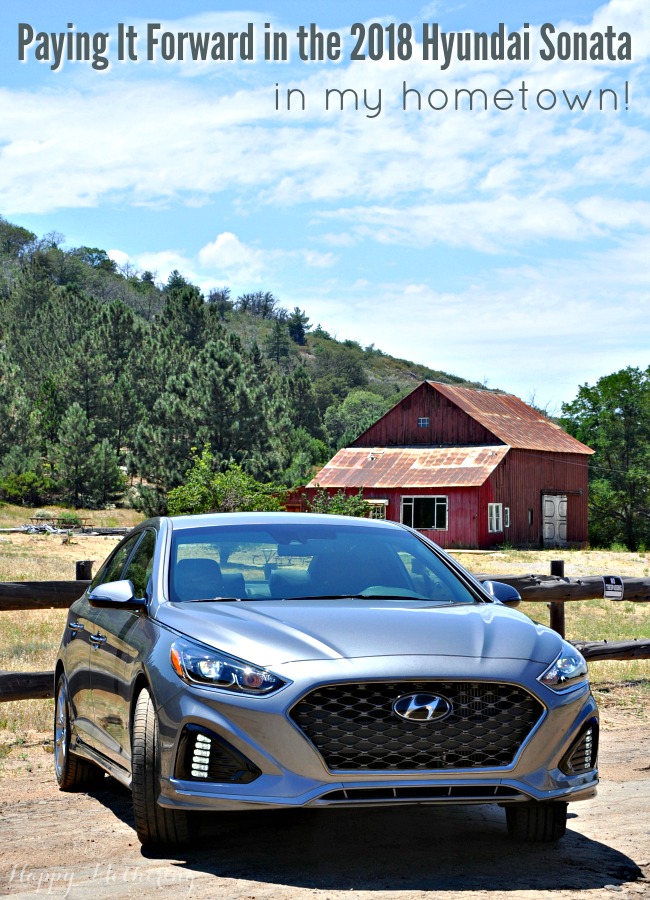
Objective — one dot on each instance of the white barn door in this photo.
(554, 508)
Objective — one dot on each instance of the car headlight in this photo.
(211, 668)
(567, 670)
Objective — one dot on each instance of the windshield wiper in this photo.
(360, 597)
(217, 600)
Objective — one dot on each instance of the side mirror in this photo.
(116, 594)
(503, 593)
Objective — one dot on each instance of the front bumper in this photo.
(293, 773)
(190, 796)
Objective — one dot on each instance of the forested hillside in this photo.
(109, 379)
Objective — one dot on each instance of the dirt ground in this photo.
(84, 846)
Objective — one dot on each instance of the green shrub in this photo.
(26, 488)
(44, 514)
(618, 547)
(151, 501)
(68, 518)
(340, 504)
(208, 490)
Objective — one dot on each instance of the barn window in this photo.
(530, 517)
(425, 512)
(376, 509)
(495, 517)
(424, 422)
(506, 517)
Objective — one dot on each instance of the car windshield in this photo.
(306, 562)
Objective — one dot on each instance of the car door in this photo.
(93, 637)
(76, 645)
(116, 653)
(80, 628)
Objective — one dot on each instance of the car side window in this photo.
(113, 569)
(141, 564)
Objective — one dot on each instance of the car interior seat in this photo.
(197, 579)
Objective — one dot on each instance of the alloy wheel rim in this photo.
(60, 731)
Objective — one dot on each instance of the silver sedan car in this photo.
(271, 660)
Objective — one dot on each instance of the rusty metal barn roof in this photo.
(511, 420)
(409, 467)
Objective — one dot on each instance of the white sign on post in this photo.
(612, 587)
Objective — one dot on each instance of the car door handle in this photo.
(97, 639)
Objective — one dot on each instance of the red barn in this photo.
(469, 468)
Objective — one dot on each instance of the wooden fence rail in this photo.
(554, 589)
(603, 650)
(19, 595)
(26, 686)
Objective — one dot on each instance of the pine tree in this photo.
(298, 325)
(277, 344)
(14, 409)
(303, 403)
(230, 409)
(163, 439)
(108, 481)
(76, 464)
(183, 316)
(120, 337)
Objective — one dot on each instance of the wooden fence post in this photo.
(556, 607)
(84, 569)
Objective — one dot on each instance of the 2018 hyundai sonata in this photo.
(274, 660)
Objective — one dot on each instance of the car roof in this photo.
(179, 523)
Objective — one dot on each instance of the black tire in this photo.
(536, 822)
(154, 825)
(72, 773)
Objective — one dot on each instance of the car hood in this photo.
(273, 632)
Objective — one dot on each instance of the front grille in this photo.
(353, 726)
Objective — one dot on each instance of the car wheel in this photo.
(540, 822)
(72, 772)
(155, 825)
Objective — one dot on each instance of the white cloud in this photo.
(229, 255)
(163, 262)
(226, 259)
(119, 257)
(316, 260)
(490, 225)
(339, 239)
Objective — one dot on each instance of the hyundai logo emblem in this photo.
(422, 707)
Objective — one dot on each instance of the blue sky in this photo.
(506, 246)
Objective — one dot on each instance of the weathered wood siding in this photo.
(519, 483)
(462, 507)
(449, 425)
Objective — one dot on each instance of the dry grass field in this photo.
(29, 640)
